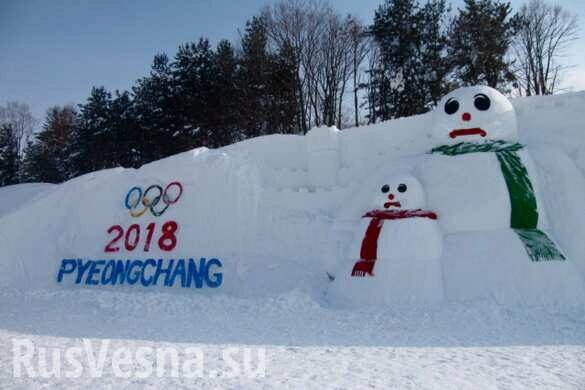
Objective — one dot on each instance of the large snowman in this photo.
(394, 255)
(487, 179)
(484, 185)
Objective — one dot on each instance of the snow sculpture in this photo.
(397, 247)
(479, 127)
(484, 185)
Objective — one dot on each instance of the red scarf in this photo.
(369, 249)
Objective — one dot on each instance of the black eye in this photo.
(402, 188)
(385, 188)
(482, 102)
(451, 106)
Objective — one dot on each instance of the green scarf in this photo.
(524, 217)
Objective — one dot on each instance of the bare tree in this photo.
(331, 70)
(18, 118)
(324, 52)
(289, 25)
(373, 57)
(544, 33)
(360, 48)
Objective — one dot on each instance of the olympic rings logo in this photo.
(152, 197)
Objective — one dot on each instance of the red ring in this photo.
(166, 198)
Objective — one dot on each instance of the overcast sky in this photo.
(53, 52)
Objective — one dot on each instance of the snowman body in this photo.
(408, 266)
(478, 176)
(405, 238)
(470, 191)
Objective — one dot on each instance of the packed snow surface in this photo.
(308, 344)
(16, 196)
(455, 302)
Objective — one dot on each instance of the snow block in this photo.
(323, 151)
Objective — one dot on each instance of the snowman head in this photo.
(402, 192)
(474, 114)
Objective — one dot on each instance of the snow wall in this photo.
(283, 212)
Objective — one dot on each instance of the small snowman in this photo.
(397, 226)
(398, 246)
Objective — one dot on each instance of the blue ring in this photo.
(128, 196)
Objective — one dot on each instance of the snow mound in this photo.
(16, 196)
(282, 213)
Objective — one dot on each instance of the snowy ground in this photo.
(308, 343)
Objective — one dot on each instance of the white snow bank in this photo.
(16, 196)
(280, 212)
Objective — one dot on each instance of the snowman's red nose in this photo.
(466, 117)
(391, 196)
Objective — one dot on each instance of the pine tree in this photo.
(224, 97)
(412, 69)
(37, 166)
(8, 156)
(435, 41)
(125, 140)
(91, 147)
(157, 114)
(192, 78)
(282, 101)
(254, 78)
(480, 38)
(45, 159)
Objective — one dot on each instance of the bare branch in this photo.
(544, 34)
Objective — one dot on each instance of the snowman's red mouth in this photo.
(389, 204)
(464, 132)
